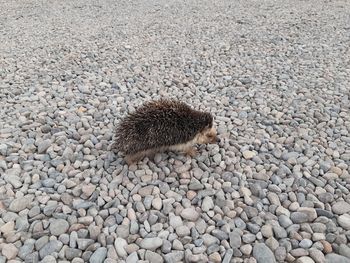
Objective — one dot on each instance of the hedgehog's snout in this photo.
(210, 136)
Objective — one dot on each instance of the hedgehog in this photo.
(163, 125)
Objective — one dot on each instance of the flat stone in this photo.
(9, 251)
(151, 243)
(281, 254)
(344, 221)
(133, 257)
(83, 243)
(305, 243)
(235, 239)
(263, 254)
(7, 228)
(305, 259)
(267, 231)
(49, 248)
(71, 253)
(335, 258)
(99, 255)
(344, 250)
(153, 257)
(228, 256)
(174, 257)
(182, 231)
(58, 227)
(20, 203)
(341, 207)
(43, 146)
(207, 204)
(88, 189)
(248, 154)
(175, 221)
(48, 259)
(190, 214)
(317, 255)
(120, 245)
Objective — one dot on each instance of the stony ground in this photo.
(274, 73)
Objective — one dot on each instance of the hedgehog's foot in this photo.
(191, 151)
(133, 158)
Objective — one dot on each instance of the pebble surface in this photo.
(275, 74)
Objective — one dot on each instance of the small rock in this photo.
(344, 250)
(280, 254)
(335, 258)
(43, 146)
(215, 257)
(207, 204)
(153, 257)
(99, 255)
(263, 254)
(317, 255)
(305, 260)
(71, 253)
(228, 256)
(235, 239)
(133, 257)
(174, 257)
(88, 189)
(151, 243)
(20, 203)
(341, 207)
(182, 231)
(305, 243)
(190, 214)
(7, 228)
(120, 245)
(248, 154)
(10, 251)
(246, 249)
(58, 227)
(344, 221)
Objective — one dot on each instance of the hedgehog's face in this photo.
(208, 135)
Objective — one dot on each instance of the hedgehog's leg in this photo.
(191, 151)
(186, 148)
(134, 158)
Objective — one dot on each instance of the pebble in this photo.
(305, 243)
(335, 258)
(43, 146)
(120, 245)
(99, 255)
(263, 254)
(305, 260)
(174, 257)
(248, 154)
(9, 251)
(153, 257)
(132, 258)
(317, 255)
(20, 203)
(151, 243)
(344, 221)
(341, 207)
(207, 204)
(190, 214)
(344, 250)
(58, 227)
(182, 231)
(235, 239)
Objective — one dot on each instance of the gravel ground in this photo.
(274, 73)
